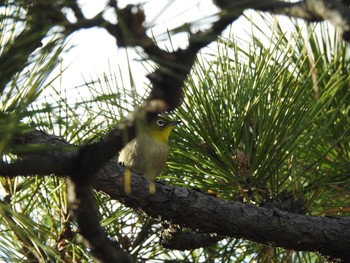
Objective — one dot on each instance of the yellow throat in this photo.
(160, 135)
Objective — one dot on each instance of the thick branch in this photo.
(296, 10)
(83, 206)
(326, 235)
(335, 12)
(39, 165)
(80, 167)
(167, 81)
(209, 214)
(174, 237)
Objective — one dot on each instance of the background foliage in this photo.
(265, 121)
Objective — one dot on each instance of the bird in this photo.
(148, 153)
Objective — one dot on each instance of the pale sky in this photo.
(95, 50)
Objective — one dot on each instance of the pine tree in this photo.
(265, 122)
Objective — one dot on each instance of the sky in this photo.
(95, 52)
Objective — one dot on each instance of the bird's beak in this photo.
(173, 123)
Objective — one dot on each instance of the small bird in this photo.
(148, 153)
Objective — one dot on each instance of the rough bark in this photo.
(211, 215)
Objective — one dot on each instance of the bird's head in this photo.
(160, 128)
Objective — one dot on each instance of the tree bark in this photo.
(208, 214)
(211, 215)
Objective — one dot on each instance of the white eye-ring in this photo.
(160, 123)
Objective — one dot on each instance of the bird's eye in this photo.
(160, 123)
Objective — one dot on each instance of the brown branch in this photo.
(325, 235)
(211, 215)
(39, 165)
(83, 206)
(86, 163)
(175, 237)
(80, 167)
(167, 81)
(296, 10)
(335, 12)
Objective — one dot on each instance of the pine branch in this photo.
(209, 214)
(175, 237)
(336, 12)
(83, 206)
